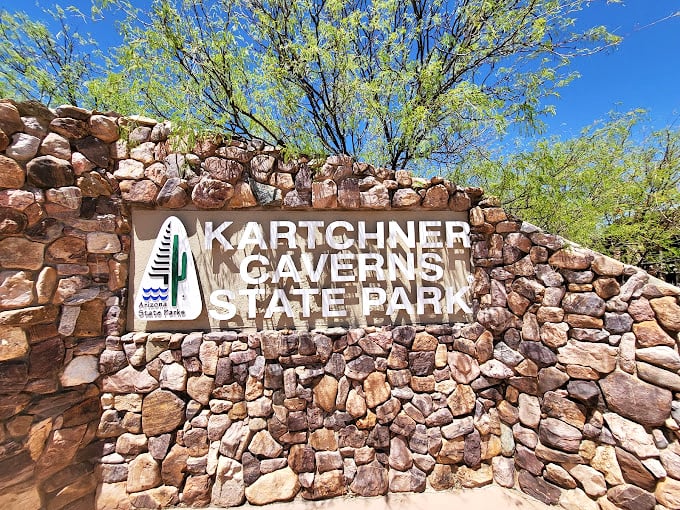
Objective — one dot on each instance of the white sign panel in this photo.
(265, 270)
(169, 287)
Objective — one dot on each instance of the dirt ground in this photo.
(491, 497)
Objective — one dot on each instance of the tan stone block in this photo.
(13, 343)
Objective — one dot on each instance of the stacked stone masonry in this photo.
(566, 385)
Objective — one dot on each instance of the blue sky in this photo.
(642, 72)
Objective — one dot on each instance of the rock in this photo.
(584, 391)
(326, 485)
(173, 377)
(452, 451)
(243, 196)
(661, 356)
(228, 489)
(443, 477)
(301, 458)
(599, 357)
(550, 379)
(104, 128)
(94, 150)
(19, 253)
(591, 480)
(560, 476)
(324, 194)
(323, 440)
(378, 197)
(49, 172)
(21, 495)
(81, 370)
(497, 319)
(526, 459)
(325, 393)
(667, 311)
(67, 197)
(606, 287)
(635, 399)
(668, 493)
(112, 496)
(572, 258)
(23, 147)
(631, 436)
(464, 368)
(413, 480)
(131, 444)
(328, 461)
(462, 400)
(360, 368)
(376, 389)
(650, 334)
(436, 197)
(405, 198)
(404, 335)
(607, 266)
(503, 471)
(671, 463)
(539, 488)
(93, 184)
(658, 376)
(196, 492)
(143, 473)
(10, 119)
(265, 195)
(400, 456)
(174, 465)
(103, 242)
(634, 471)
(370, 480)
(538, 353)
(560, 435)
(263, 444)
(577, 500)
(556, 406)
(173, 195)
(29, 316)
(162, 411)
(211, 193)
(281, 485)
(529, 410)
(605, 461)
(129, 169)
(13, 343)
(141, 192)
(583, 303)
(629, 497)
(224, 169)
(11, 174)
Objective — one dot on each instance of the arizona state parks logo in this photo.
(169, 288)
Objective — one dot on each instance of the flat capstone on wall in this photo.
(565, 385)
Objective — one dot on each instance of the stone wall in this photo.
(566, 386)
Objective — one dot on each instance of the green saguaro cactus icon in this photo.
(177, 275)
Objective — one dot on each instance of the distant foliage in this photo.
(614, 188)
(49, 61)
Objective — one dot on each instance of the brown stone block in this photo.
(324, 194)
(19, 253)
(89, 321)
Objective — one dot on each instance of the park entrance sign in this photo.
(264, 270)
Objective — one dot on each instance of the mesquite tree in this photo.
(397, 83)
